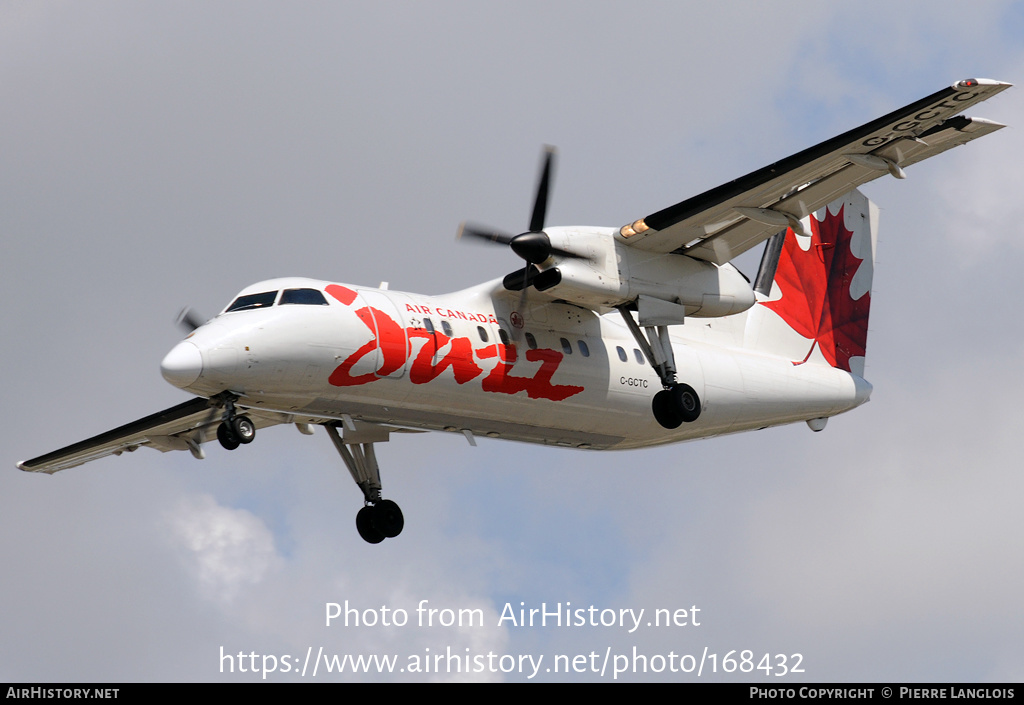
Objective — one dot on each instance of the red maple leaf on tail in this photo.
(815, 285)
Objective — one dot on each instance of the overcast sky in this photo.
(161, 154)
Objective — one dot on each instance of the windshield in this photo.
(250, 301)
(309, 297)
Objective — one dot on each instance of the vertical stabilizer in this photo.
(815, 310)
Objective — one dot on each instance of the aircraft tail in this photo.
(814, 290)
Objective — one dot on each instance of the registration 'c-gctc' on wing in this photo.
(585, 344)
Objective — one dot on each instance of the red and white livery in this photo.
(607, 338)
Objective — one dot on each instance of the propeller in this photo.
(188, 319)
(534, 245)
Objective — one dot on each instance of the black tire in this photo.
(664, 407)
(243, 429)
(365, 527)
(387, 518)
(227, 437)
(686, 401)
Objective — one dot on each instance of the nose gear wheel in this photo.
(234, 429)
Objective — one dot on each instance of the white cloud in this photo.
(226, 549)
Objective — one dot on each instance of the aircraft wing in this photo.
(182, 427)
(190, 424)
(726, 221)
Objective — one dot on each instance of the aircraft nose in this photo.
(183, 364)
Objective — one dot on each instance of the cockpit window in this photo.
(308, 297)
(251, 301)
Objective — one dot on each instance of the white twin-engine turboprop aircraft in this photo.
(607, 338)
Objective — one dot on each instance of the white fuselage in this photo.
(440, 363)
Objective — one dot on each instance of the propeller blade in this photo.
(479, 233)
(534, 246)
(540, 202)
(568, 253)
(189, 319)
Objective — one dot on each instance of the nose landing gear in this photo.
(234, 430)
(237, 431)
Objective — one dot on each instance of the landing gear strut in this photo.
(379, 518)
(676, 403)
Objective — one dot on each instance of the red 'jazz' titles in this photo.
(395, 343)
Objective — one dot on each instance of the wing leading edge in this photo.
(190, 424)
(164, 430)
(728, 220)
(183, 427)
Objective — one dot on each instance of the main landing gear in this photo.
(379, 518)
(676, 403)
(376, 522)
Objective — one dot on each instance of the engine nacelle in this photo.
(616, 274)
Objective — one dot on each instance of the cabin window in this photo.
(566, 346)
(429, 325)
(621, 352)
(639, 356)
(504, 337)
(584, 350)
(482, 332)
(307, 297)
(531, 341)
(251, 301)
(446, 327)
